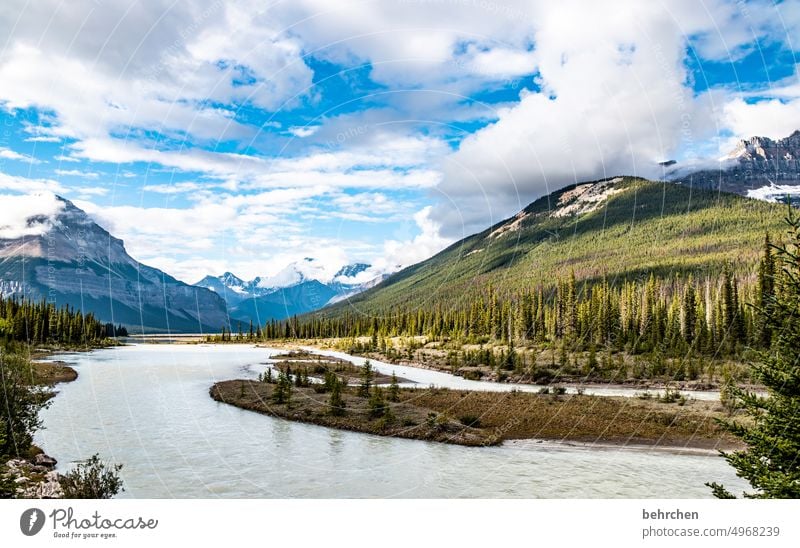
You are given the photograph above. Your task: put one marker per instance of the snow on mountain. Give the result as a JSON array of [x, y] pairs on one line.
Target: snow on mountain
[[758, 167], [49, 248], [299, 287]]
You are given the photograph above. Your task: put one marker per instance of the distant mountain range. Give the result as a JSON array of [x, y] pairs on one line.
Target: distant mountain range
[[758, 167], [298, 288], [68, 259]]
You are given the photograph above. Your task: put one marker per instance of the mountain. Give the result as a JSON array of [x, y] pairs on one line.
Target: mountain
[[299, 287], [758, 167], [622, 228], [68, 259], [283, 303], [351, 270], [228, 286]]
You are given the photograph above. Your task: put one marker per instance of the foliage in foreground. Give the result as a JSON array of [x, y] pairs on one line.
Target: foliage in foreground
[[20, 403], [92, 479], [771, 462]]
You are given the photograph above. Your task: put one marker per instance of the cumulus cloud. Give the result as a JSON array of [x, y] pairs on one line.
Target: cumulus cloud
[[163, 66], [127, 82], [405, 252], [773, 112], [28, 215], [9, 154], [26, 185], [77, 173], [615, 99]]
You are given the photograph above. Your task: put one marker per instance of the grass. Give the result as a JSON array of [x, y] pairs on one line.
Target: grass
[[49, 373], [542, 367], [488, 418]]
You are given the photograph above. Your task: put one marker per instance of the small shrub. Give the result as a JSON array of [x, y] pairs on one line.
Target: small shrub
[[92, 479], [431, 420], [470, 420]]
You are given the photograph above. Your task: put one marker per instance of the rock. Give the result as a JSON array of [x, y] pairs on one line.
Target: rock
[[35, 480], [49, 488], [16, 464], [45, 460]]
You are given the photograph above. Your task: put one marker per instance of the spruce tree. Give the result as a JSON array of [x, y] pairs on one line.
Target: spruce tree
[[336, 402], [770, 462], [394, 389], [367, 374], [765, 292], [377, 403]]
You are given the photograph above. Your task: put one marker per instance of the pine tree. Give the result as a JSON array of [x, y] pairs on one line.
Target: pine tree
[[367, 374], [689, 313], [770, 462], [336, 402], [394, 389], [765, 292], [591, 362], [282, 393], [377, 403]]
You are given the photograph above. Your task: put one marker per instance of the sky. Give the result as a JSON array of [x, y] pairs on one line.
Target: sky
[[241, 136]]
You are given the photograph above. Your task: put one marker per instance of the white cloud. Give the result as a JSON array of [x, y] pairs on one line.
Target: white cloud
[[28, 215], [26, 185], [774, 118], [160, 68], [77, 173], [88, 191], [9, 154], [174, 188], [303, 131], [773, 112], [500, 62], [43, 139], [402, 253], [615, 100]]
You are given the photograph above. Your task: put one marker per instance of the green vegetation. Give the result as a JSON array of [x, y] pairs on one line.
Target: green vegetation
[[660, 277], [92, 479], [770, 462], [336, 402], [43, 323], [644, 228], [301, 366], [24, 386], [488, 418], [367, 375], [20, 403]]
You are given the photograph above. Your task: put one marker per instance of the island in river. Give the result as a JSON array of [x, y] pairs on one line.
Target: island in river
[[474, 418]]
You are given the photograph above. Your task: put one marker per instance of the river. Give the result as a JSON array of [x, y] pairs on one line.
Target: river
[[147, 406]]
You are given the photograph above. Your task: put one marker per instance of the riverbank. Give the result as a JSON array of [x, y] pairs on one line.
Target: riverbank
[[32, 473], [316, 366], [489, 418], [579, 385], [52, 373]]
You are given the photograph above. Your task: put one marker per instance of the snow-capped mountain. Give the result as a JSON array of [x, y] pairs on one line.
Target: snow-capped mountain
[[299, 287], [757, 167], [293, 274], [228, 286], [49, 248], [351, 271]]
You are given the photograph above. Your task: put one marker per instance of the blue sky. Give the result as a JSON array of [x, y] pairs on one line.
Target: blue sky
[[217, 136]]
